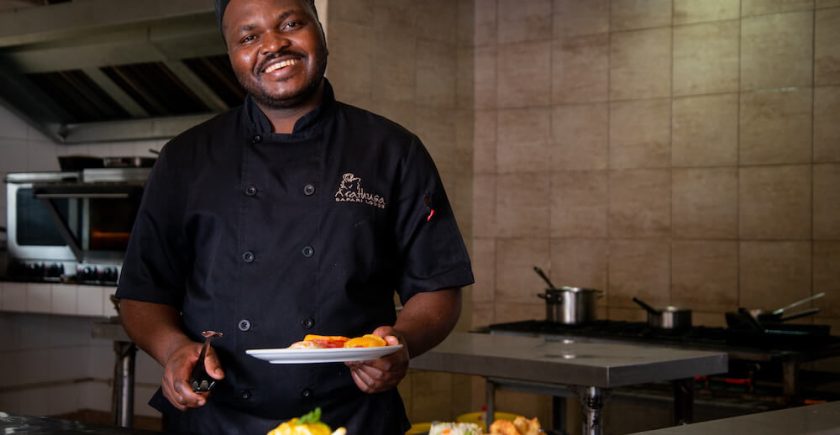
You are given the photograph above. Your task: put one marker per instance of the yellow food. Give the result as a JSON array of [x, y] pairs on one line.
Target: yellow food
[[367, 340], [519, 426], [309, 424]]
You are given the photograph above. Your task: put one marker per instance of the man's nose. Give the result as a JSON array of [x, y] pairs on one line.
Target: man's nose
[[274, 42]]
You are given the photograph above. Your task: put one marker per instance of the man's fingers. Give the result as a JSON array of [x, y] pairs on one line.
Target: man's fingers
[[213, 367]]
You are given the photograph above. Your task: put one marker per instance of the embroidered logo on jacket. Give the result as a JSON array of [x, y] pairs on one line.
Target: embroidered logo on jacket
[[350, 190]]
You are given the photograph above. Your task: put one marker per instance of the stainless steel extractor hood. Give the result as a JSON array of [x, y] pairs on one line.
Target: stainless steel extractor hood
[[108, 70]]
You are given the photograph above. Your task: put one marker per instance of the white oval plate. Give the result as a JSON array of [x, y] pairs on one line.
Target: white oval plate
[[312, 356]]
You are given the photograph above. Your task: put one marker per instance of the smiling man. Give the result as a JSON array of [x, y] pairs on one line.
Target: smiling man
[[293, 214]]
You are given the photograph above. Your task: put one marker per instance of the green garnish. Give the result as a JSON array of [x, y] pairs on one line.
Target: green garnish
[[313, 416]]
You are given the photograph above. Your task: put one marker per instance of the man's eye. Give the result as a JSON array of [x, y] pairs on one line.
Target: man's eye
[[248, 38], [291, 25]]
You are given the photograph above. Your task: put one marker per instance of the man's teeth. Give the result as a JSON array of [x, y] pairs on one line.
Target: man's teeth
[[278, 65]]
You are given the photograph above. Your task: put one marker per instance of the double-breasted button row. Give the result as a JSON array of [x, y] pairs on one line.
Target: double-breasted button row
[[307, 251], [307, 323], [248, 257], [252, 190], [244, 325]]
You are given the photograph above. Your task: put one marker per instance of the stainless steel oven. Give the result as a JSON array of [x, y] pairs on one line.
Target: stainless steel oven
[[71, 225]]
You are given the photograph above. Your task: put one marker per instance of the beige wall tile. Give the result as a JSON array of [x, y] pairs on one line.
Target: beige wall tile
[[580, 263], [640, 268], [484, 205], [705, 203], [636, 314], [524, 140], [827, 3], [712, 320], [827, 277], [432, 24], [395, 59], [774, 274], [485, 22], [579, 137], [465, 78], [640, 134], [521, 206], [431, 395], [524, 21], [705, 275], [696, 11], [398, 15], [639, 14], [351, 56], [761, 7], [436, 73], [352, 11], [775, 202], [827, 202], [580, 69], [777, 50], [466, 23], [482, 314], [524, 74], [640, 203], [515, 277], [484, 146], [517, 311], [575, 17], [483, 258], [705, 131], [776, 127], [827, 47], [826, 125], [579, 204], [706, 58], [485, 78], [640, 64]]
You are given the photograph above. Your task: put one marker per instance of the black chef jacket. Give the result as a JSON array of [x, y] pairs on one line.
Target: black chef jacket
[[267, 237]]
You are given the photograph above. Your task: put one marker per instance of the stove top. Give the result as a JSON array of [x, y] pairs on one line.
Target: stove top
[[781, 337]]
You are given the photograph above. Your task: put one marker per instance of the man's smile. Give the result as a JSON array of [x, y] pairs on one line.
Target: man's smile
[[279, 65]]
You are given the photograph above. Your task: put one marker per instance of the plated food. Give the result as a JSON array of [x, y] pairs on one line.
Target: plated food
[[519, 426], [312, 341], [309, 424], [455, 429]]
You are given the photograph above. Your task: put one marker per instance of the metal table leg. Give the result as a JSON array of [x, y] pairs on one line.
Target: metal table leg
[[123, 394], [683, 401], [490, 399], [592, 399], [558, 413]]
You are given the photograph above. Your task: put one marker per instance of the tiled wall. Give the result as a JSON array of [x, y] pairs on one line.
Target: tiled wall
[[683, 151], [409, 61]]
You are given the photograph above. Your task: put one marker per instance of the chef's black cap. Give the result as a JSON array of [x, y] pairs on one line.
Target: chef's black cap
[[222, 4]]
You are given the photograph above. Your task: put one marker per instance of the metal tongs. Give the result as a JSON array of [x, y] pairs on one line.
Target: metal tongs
[[200, 381]]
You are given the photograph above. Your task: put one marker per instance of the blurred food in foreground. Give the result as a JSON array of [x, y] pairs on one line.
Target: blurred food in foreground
[[309, 424]]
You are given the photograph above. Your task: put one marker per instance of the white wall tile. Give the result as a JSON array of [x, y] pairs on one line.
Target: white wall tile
[[63, 399], [38, 298], [63, 299], [10, 402], [100, 362], [35, 365], [142, 394], [14, 298], [89, 300], [108, 309], [147, 370], [9, 369], [95, 396]]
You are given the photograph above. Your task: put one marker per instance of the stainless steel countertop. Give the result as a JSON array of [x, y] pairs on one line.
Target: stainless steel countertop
[[567, 362], [806, 420]]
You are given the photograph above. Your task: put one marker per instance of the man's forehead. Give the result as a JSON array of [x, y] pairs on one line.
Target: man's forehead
[[221, 7]]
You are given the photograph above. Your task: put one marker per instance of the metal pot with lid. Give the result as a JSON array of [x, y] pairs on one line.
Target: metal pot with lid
[[568, 305]]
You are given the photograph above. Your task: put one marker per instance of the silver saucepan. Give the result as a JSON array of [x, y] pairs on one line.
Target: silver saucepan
[[568, 305], [669, 317]]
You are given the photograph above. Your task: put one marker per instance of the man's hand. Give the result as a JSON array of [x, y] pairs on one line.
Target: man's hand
[[177, 371], [386, 372]]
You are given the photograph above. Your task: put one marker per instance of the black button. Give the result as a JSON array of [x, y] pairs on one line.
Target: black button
[[251, 190], [308, 323], [307, 251], [245, 394], [244, 325], [248, 257], [256, 139], [306, 393], [308, 190]]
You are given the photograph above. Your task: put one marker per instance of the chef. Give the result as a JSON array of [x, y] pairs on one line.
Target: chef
[[293, 214]]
